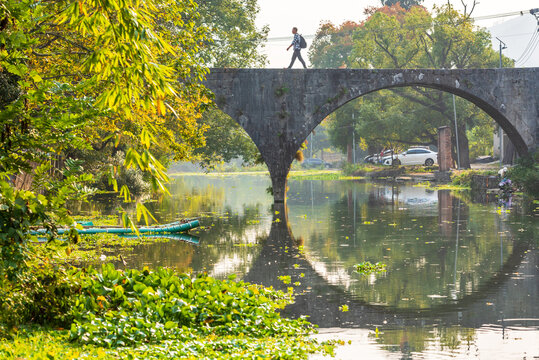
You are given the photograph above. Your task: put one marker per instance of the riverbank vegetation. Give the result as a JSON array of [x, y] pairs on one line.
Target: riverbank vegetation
[[58, 312], [525, 174], [51, 309], [463, 178]]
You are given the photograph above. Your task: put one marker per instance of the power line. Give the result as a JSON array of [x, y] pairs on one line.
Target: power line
[[479, 18], [531, 44], [531, 51], [495, 16]]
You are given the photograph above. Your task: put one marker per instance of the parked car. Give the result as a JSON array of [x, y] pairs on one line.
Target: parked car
[[315, 163], [369, 159], [413, 156], [375, 158]]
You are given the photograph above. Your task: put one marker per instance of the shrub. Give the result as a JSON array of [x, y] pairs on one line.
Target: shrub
[[464, 178], [525, 174], [359, 169], [41, 295], [19, 210]]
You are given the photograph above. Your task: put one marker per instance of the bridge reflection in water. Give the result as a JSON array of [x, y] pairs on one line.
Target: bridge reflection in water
[[501, 296]]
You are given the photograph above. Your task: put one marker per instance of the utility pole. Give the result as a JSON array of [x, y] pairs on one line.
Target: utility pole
[[353, 139], [502, 47], [456, 132], [500, 130]]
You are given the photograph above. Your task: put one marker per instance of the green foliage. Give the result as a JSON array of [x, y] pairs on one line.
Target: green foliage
[[280, 91], [480, 139], [394, 37], [43, 294], [407, 4], [464, 178], [236, 39], [46, 344], [22, 209], [367, 268], [18, 211], [525, 174], [332, 45], [360, 169], [90, 76], [132, 178], [316, 174], [236, 43], [119, 308], [151, 315], [225, 141]]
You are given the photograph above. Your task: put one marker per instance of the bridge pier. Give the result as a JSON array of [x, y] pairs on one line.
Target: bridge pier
[[279, 184]]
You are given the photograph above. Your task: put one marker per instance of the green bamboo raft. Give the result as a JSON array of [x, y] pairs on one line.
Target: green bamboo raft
[[175, 227]]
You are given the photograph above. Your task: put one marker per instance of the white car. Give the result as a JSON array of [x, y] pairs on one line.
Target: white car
[[414, 156]]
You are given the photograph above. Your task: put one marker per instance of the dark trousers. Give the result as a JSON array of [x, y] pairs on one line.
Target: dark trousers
[[297, 54]]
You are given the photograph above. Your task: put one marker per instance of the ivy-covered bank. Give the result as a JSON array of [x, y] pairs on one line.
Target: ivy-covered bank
[[59, 313]]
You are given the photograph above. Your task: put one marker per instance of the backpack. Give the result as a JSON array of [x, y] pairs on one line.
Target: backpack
[[302, 42]]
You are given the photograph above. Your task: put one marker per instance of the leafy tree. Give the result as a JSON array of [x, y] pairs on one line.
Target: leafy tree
[[332, 45], [235, 37], [82, 73], [407, 4], [393, 37], [236, 41], [225, 140]]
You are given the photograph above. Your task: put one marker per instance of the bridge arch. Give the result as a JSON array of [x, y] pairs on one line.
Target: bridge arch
[[280, 108]]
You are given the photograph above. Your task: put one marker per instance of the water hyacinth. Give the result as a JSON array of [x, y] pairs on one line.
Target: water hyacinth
[[124, 308]]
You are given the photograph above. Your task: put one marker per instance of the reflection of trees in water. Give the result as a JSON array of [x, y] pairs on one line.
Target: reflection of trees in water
[[419, 338], [188, 201], [229, 243], [184, 201], [427, 264], [191, 196]]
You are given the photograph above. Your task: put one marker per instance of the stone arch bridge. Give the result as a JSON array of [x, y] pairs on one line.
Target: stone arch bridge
[[280, 108]]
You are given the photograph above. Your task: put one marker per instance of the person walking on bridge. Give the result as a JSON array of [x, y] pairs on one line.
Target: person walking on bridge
[[296, 43]]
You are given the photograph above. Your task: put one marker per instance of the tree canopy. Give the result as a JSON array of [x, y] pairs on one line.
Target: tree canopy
[[236, 43], [85, 73], [407, 4], [394, 37]]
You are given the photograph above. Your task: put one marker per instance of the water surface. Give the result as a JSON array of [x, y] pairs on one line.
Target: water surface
[[462, 277]]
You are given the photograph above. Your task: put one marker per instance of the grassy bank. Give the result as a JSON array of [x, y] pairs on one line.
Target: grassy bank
[[42, 343], [312, 174]]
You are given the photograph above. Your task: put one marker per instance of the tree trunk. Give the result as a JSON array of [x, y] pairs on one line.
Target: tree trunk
[[508, 150], [349, 153], [464, 149], [464, 153]]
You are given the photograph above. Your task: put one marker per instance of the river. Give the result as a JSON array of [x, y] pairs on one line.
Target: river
[[462, 277]]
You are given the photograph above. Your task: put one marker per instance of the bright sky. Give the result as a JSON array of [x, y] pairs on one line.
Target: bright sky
[[282, 15]]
